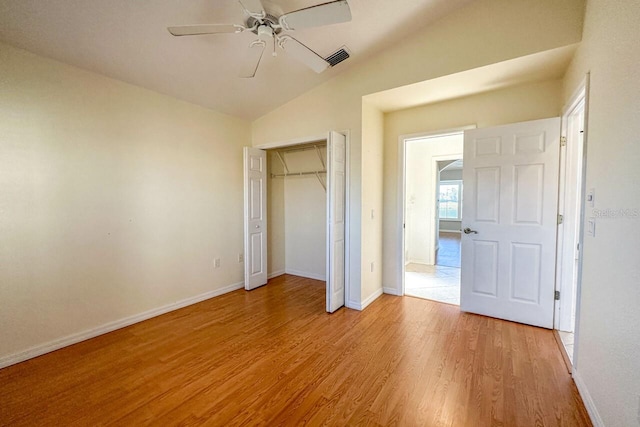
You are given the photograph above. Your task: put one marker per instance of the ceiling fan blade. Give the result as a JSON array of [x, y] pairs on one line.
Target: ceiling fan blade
[[253, 7], [303, 54], [251, 60], [334, 12], [196, 30]]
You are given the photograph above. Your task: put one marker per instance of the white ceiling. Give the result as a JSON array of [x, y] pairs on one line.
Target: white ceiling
[[128, 40]]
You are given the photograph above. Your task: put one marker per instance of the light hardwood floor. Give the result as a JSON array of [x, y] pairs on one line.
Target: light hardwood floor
[[272, 356]]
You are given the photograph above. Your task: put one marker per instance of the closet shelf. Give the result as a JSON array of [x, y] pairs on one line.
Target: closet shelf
[[286, 173]]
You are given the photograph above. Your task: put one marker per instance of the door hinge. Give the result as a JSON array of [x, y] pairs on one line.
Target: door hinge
[[563, 141], [560, 219], [556, 296]]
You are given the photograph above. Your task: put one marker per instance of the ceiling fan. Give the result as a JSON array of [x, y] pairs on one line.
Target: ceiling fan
[[270, 30]]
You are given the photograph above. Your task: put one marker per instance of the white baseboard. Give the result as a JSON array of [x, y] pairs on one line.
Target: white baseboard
[[362, 305], [59, 343], [352, 305], [421, 262], [596, 420], [391, 291], [305, 274], [275, 274]]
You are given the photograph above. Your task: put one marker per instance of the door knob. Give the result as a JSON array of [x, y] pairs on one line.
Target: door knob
[[469, 231]]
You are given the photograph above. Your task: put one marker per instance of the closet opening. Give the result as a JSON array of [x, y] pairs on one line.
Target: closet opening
[[296, 211], [296, 216]]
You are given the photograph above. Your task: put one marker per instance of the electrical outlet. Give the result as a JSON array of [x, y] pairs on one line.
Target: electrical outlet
[[216, 263], [240, 257], [372, 267]]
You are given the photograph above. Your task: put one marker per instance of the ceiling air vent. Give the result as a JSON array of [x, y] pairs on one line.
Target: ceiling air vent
[[337, 57]]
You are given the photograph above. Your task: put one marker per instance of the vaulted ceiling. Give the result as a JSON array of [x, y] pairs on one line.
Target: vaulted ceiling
[[128, 40]]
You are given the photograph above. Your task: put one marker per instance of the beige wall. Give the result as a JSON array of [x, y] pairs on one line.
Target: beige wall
[[511, 105], [372, 211], [420, 182], [482, 33], [297, 212], [114, 200], [305, 202], [608, 346]]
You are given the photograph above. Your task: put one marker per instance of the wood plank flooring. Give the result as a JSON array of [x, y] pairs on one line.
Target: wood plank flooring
[[272, 356]]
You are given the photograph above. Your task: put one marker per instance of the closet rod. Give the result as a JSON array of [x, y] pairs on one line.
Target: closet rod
[[283, 175]]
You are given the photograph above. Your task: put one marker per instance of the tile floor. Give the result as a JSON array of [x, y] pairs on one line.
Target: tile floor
[[434, 282], [449, 250], [439, 282], [567, 340]]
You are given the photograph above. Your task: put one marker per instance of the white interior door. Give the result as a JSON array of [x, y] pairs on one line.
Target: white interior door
[[510, 210], [336, 186], [255, 218]]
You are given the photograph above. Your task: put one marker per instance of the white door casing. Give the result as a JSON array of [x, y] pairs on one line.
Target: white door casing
[[570, 207], [511, 194], [255, 218], [336, 219]]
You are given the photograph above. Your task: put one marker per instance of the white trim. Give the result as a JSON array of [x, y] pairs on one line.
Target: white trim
[[390, 291], [402, 195], [59, 343], [418, 261], [365, 303], [577, 96], [347, 213], [436, 133], [276, 274], [352, 305], [596, 420], [306, 274], [585, 144], [581, 94], [568, 232]]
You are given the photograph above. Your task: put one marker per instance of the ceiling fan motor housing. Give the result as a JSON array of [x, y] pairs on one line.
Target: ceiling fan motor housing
[[269, 21], [265, 32]]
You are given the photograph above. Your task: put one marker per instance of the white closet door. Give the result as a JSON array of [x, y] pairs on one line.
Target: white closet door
[[509, 216], [255, 218], [336, 189]]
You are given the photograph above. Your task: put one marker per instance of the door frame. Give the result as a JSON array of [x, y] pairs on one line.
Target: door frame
[[567, 189], [325, 137], [402, 194], [581, 94]]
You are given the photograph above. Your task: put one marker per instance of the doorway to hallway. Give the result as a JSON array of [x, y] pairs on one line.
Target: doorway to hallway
[[440, 282], [434, 206]]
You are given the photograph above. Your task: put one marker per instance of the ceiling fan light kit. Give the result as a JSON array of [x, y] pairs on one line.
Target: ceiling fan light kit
[[269, 29]]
